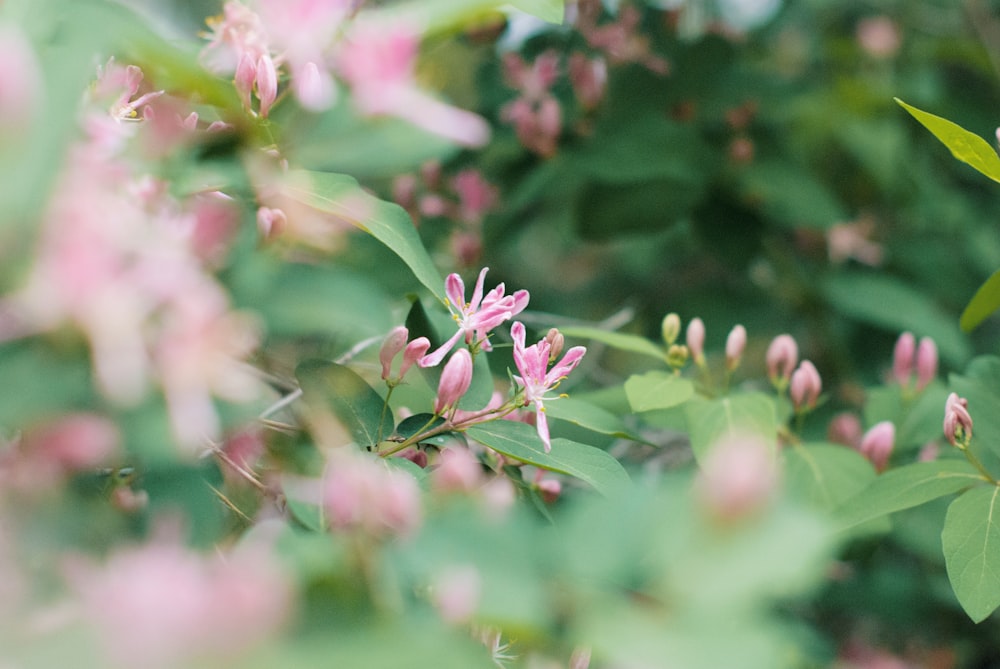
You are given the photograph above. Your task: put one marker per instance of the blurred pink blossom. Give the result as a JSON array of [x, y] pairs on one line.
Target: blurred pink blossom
[[360, 494], [879, 36], [738, 477], [877, 444], [806, 386], [456, 592], [902, 359], [20, 82], [845, 428], [589, 77], [736, 343], [458, 470], [781, 357], [695, 339]]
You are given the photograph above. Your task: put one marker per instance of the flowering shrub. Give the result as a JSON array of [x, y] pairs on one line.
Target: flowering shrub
[[249, 423]]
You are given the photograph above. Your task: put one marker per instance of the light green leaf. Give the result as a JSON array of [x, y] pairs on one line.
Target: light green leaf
[[521, 442], [749, 413], [891, 304], [328, 387], [971, 543], [588, 416], [619, 340], [967, 147], [983, 303], [341, 196], [547, 10], [906, 487], [826, 475], [657, 390]]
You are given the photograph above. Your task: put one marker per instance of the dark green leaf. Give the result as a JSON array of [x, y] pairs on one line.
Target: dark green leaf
[[521, 442], [331, 388], [588, 416], [619, 340], [907, 486], [826, 475], [983, 303], [710, 420], [971, 543]]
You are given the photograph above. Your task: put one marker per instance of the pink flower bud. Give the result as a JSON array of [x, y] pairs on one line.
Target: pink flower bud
[[696, 340], [458, 471], [415, 350], [394, 342], [556, 342], [20, 82], [845, 428], [550, 489], [246, 73], [877, 444], [271, 222], [957, 420], [806, 386], [455, 379], [782, 356], [267, 84], [902, 358], [738, 477], [927, 362], [456, 593], [736, 343]]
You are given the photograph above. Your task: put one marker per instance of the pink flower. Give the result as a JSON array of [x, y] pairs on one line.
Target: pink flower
[[738, 477], [957, 420], [478, 316], [20, 81], [536, 378]]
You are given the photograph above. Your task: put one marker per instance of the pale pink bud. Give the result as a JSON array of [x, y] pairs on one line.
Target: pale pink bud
[[556, 342], [580, 659], [927, 362], [696, 340], [736, 343], [845, 428], [455, 379], [902, 358], [550, 490], [415, 350], [74, 442], [806, 386], [267, 84], [127, 500], [456, 593], [877, 444], [313, 89], [271, 222], [20, 81], [394, 342], [458, 470], [589, 79], [782, 356], [246, 74], [739, 475], [879, 36], [957, 420]]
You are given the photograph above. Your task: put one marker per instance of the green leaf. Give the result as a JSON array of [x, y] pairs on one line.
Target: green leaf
[[309, 515], [657, 390], [547, 10], [826, 475], [521, 442], [328, 387], [906, 487], [619, 340], [791, 195], [891, 304], [967, 147], [710, 420], [588, 416], [971, 543], [983, 303], [342, 197]]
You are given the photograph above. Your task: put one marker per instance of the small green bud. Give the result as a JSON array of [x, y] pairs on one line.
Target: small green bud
[[677, 355], [671, 328]]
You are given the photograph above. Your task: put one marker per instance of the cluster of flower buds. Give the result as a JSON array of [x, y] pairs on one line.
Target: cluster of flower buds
[[908, 355], [536, 114]]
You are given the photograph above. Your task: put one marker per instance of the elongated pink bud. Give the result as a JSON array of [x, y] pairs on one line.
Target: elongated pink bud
[[696, 340], [902, 358], [877, 444], [845, 428], [394, 342], [455, 379], [267, 84], [782, 356], [415, 350], [927, 362], [806, 386], [957, 420], [736, 343]]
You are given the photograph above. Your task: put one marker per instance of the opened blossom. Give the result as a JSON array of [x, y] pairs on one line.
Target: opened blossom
[[477, 317], [535, 376]]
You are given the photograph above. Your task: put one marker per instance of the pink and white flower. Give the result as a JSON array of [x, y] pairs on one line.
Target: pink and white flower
[[536, 378]]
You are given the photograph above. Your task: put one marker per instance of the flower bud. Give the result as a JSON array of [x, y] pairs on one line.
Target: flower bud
[[902, 358], [677, 356], [556, 343], [458, 470], [927, 362], [877, 444], [550, 490], [670, 328], [267, 84], [738, 477], [736, 343], [455, 379], [782, 356], [270, 222], [394, 342], [957, 420], [806, 386], [415, 350], [696, 340], [845, 428]]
